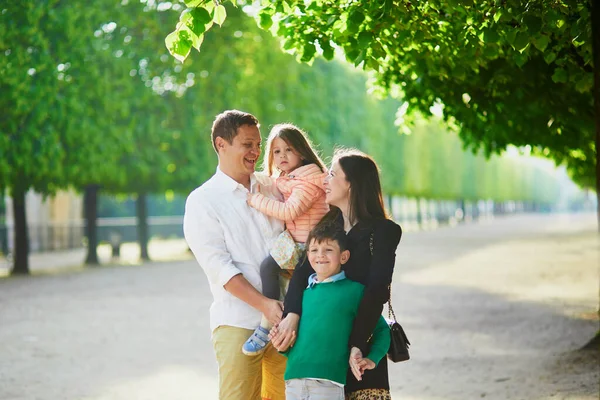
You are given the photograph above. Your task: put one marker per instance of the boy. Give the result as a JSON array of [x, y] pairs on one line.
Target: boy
[[318, 362]]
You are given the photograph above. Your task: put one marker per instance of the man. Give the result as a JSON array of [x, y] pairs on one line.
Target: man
[[230, 240]]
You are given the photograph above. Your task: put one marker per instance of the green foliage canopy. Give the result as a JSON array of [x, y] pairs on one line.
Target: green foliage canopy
[[506, 71]]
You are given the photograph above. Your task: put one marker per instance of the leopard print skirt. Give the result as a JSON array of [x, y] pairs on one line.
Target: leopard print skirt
[[369, 394]]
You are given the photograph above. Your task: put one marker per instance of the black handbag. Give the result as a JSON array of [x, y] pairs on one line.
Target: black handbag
[[399, 342]]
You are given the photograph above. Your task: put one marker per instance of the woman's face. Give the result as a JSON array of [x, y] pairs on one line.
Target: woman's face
[[337, 188]]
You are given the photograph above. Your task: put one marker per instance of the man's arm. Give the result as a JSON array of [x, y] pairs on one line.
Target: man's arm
[[243, 290], [205, 236]]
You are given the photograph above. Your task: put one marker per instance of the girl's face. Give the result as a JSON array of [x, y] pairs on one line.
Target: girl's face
[[337, 188], [285, 157]]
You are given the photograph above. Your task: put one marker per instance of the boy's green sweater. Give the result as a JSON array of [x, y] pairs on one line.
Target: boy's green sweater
[[321, 350]]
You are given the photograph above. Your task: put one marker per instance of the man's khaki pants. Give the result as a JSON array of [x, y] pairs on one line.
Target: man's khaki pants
[[247, 378]]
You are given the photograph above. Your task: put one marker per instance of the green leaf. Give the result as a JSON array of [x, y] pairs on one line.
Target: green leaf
[[308, 53], [549, 57], [327, 49], [357, 17], [360, 58], [585, 83], [491, 36], [560, 75], [521, 59], [364, 39], [201, 15], [289, 44], [185, 16], [314, 6], [497, 16], [197, 41], [354, 20], [372, 63], [511, 36], [491, 51], [220, 15], [197, 24], [352, 54], [521, 41], [179, 44], [265, 21], [541, 42], [192, 3], [533, 23]]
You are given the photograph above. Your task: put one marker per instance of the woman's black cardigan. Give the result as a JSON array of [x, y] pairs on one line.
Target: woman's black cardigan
[[375, 272]]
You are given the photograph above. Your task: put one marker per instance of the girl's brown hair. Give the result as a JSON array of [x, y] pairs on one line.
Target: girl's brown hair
[[297, 139]]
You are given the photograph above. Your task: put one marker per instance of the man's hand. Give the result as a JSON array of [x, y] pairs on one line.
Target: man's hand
[[283, 335], [243, 290], [272, 310]]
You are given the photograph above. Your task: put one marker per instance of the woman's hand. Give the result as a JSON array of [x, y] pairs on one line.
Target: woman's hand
[[283, 335], [355, 357]]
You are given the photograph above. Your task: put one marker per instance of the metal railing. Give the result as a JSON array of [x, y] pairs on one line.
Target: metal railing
[[71, 235]]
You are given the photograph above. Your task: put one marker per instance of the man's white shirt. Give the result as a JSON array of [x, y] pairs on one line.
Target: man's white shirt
[[228, 237]]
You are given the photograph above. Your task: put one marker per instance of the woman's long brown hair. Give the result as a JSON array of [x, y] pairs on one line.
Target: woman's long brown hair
[[362, 173]]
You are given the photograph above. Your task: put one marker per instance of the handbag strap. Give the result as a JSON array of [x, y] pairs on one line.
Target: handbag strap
[[389, 302]]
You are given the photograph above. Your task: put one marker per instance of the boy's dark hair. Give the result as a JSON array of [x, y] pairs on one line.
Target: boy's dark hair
[[227, 123], [331, 231]]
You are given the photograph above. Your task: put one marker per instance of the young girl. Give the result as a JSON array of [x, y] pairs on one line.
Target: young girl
[[299, 174]]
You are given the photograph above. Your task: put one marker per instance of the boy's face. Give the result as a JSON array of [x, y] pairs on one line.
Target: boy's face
[[326, 257]]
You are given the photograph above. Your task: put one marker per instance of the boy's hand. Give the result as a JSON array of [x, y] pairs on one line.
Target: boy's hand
[[358, 364], [283, 335]]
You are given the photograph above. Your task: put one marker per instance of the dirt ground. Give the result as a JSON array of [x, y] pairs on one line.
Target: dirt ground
[[494, 310]]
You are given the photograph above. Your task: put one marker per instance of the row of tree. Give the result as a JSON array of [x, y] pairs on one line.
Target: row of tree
[[91, 100], [507, 72]]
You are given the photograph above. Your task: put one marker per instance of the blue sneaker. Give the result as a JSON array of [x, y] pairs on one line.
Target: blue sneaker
[[257, 342]]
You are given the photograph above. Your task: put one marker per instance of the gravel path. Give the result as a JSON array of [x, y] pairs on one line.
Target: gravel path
[[495, 310]]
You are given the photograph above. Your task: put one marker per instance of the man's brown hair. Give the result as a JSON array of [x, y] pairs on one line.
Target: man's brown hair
[[227, 123]]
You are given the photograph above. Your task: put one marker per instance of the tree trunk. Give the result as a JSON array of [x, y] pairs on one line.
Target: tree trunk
[[596, 57], [595, 17], [90, 204], [389, 205], [142, 220], [419, 213], [463, 208], [21, 248]]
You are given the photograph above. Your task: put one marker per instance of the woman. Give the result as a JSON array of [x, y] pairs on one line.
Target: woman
[[353, 191]]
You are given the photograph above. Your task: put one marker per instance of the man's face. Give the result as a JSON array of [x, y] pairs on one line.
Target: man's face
[[240, 157]]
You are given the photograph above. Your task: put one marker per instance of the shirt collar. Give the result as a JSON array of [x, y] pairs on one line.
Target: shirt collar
[[312, 280], [228, 183]]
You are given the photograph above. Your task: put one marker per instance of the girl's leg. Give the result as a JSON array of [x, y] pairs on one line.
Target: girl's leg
[[269, 275]]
